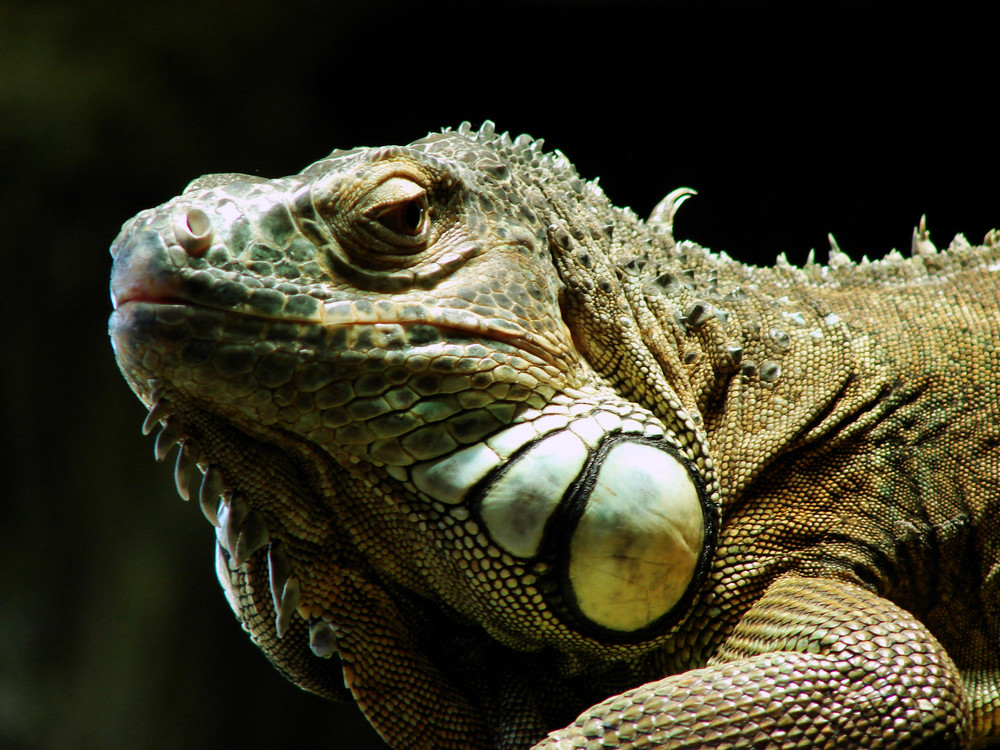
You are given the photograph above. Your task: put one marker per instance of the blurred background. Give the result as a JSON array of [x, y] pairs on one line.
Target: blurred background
[[791, 119]]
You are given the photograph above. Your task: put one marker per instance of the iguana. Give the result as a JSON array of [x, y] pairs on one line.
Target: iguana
[[511, 467]]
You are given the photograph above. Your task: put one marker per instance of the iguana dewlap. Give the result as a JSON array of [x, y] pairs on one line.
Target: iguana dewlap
[[500, 458]]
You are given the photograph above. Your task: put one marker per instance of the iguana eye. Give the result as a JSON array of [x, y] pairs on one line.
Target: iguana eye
[[407, 218], [400, 206]]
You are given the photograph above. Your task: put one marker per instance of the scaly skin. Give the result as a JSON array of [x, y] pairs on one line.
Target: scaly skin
[[485, 453]]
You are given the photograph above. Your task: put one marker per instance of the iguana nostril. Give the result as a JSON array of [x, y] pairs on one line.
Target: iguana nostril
[[193, 230]]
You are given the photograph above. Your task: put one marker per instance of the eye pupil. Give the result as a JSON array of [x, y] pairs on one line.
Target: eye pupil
[[413, 216]]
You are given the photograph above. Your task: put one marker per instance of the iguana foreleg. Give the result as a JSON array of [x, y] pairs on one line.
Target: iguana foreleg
[[814, 663]]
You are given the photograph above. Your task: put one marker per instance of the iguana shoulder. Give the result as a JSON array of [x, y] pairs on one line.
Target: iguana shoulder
[[500, 457]]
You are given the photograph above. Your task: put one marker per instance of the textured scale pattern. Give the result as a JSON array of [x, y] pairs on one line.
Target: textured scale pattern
[[510, 467]]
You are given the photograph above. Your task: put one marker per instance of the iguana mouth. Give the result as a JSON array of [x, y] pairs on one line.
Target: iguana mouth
[[444, 321], [144, 274]]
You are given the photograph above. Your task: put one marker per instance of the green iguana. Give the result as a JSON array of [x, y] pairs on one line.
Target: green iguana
[[497, 459]]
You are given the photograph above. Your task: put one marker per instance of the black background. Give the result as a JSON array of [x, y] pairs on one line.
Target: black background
[[791, 119]]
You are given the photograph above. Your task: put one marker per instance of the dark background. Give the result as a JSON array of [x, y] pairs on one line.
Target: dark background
[[791, 119]]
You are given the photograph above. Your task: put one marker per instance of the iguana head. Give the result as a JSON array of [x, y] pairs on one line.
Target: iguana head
[[372, 363]]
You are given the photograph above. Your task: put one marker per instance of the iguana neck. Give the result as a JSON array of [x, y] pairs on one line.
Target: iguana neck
[[741, 357]]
